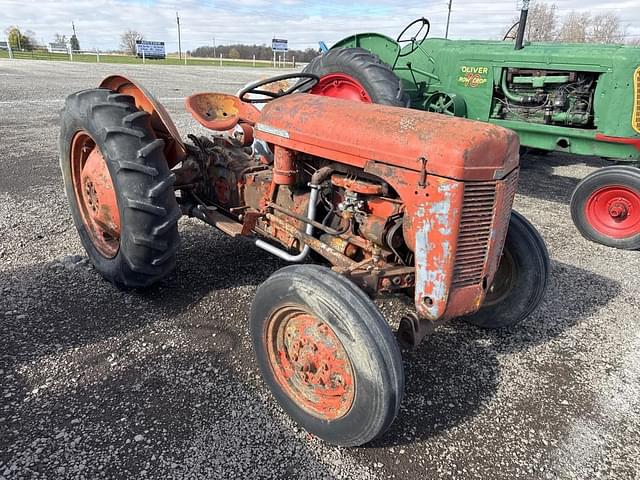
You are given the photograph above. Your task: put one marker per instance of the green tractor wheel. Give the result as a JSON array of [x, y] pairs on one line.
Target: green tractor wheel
[[447, 104]]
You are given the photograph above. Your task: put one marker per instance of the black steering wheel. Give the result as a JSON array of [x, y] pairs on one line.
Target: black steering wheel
[[511, 34], [413, 40], [307, 81]]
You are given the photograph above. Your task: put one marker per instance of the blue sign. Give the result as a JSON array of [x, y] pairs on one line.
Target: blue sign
[[150, 49], [279, 45]]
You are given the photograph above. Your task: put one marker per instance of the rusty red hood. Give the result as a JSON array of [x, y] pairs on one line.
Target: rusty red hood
[[356, 132]]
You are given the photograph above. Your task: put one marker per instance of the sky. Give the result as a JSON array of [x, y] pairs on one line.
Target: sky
[[99, 23]]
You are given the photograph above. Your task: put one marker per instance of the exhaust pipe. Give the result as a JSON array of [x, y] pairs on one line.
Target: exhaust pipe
[[522, 24]]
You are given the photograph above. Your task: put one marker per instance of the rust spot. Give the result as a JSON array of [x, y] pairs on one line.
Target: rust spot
[[310, 363]]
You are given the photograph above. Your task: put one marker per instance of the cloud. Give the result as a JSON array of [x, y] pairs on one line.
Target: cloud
[[99, 23]]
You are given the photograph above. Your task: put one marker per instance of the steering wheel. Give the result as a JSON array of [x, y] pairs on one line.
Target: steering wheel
[[511, 34], [307, 81], [412, 40]]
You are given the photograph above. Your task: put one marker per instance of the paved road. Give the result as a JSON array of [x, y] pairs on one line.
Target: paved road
[[98, 383]]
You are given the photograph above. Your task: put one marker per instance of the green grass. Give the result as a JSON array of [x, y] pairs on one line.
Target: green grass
[[91, 58]]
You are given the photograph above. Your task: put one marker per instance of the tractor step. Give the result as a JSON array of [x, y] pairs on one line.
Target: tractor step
[[225, 224], [214, 218]]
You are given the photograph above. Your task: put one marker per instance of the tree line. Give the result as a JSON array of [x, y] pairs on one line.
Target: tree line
[[545, 25], [262, 52], [26, 40]]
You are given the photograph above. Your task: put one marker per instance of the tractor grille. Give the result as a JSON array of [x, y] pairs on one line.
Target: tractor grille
[[478, 212], [635, 121]]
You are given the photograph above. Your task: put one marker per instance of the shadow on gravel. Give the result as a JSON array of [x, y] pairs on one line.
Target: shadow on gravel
[[573, 296], [52, 308], [455, 371], [538, 180], [207, 261]]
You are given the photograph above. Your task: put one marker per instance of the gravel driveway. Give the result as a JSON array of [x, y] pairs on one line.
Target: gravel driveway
[[98, 383]]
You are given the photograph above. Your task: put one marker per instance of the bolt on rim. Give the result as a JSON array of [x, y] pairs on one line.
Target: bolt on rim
[[614, 211], [310, 363]]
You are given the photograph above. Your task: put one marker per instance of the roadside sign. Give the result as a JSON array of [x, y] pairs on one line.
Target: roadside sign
[[279, 45], [58, 47], [150, 49]]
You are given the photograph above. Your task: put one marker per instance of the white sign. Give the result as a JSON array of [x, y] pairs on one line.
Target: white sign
[[58, 47], [279, 45], [150, 49]]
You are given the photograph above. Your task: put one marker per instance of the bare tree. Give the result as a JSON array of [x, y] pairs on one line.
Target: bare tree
[[128, 41], [606, 28], [57, 38], [575, 28], [542, 23]]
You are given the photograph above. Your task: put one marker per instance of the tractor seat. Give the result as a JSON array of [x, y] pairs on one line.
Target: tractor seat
[[220, 111]]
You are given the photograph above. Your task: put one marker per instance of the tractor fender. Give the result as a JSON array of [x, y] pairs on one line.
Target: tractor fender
[[161, 122], [385, 47]]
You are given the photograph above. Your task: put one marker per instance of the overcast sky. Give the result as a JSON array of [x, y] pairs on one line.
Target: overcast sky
[[99, 23]]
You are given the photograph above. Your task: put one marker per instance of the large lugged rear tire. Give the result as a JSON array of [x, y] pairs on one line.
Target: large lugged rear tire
[[357, 74], [327, 354], [605, 207], [521, 279], [119, 187]]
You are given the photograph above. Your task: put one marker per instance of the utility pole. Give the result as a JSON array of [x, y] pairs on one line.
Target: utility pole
[[179, 41], [446, 33], [214, 47], [73, 25]]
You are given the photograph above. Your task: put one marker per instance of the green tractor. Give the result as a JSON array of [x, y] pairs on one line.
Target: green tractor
[[581, 99]]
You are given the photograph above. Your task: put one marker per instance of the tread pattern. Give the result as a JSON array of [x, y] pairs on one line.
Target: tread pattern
[[384, 86], [142, 179]]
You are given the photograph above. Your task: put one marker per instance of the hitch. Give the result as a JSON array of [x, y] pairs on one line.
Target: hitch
[[413, 329]]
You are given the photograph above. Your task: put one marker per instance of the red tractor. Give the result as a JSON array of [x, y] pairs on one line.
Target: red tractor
[[390, 201]]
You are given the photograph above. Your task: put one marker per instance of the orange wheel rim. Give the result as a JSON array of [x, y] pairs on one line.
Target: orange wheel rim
[[95, 195], [310, 363]]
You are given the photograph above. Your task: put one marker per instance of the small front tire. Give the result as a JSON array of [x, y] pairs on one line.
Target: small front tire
[[327, 354], [521, 280], [605, 207]]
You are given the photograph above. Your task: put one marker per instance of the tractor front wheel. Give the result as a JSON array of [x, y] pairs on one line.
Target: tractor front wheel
[[605, 207], [119, 187], [356, 74], [327, 354], [520, 282]]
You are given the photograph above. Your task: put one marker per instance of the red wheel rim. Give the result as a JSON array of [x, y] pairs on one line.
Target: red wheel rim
[[614, 211], [95, 195], [341, 85], [310, 363]]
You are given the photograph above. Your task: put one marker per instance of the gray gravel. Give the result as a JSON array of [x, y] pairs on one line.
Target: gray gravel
[[98, 383]]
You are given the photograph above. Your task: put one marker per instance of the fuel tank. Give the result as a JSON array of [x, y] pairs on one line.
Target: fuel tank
[[355, 133]]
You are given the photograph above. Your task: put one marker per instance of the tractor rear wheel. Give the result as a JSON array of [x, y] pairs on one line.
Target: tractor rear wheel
[[605, 207], [119, 187], [356, 74], [521, 280], [327, 354]]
